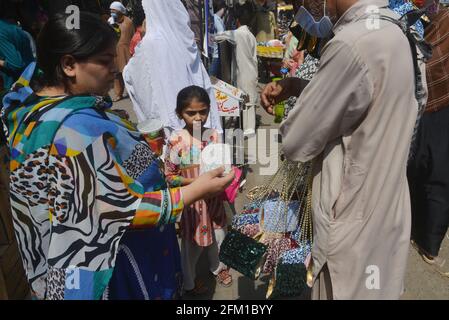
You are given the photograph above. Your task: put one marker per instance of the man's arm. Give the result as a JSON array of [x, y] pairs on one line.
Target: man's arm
[[332, 105], [275, 92]]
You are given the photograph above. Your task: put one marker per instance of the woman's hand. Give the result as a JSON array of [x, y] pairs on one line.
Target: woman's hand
[[207, 186], [276, 92]]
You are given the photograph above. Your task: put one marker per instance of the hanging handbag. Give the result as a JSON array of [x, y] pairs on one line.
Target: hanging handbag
[[250, 230], [280, 217], [289, 280], [244, 254], [291, 276], [276, 247], [277, 242], [242, 220]]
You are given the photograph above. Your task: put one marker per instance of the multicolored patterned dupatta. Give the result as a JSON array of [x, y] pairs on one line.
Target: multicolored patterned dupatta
[[79, 178]]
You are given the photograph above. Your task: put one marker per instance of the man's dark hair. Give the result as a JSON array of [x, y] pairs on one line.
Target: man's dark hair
[[245, 14], [219, 4]]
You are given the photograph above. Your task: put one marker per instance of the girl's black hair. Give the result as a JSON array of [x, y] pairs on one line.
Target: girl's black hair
[[56, 40], [187, 95]]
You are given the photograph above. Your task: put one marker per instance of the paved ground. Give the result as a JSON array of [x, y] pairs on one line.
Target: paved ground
[[421, 281]]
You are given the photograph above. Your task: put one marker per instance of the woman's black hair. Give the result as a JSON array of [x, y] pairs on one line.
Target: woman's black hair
[[8, 10], [187, 95], [58, 39]]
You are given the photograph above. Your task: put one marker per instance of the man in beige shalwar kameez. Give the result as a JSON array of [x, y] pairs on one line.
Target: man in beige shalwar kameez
[[356, 118]]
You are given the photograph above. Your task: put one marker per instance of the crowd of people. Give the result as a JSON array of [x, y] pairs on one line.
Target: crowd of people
[[92, 193]]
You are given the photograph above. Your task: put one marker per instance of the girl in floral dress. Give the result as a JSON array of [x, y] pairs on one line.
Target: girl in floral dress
[[203, 224]]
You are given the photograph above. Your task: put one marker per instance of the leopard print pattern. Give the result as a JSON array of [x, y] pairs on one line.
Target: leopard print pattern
[[139, 161], [20, 180], [37, 165], [55, 284]]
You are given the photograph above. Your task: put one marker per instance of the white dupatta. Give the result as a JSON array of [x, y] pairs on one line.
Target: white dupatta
[[166, 61]]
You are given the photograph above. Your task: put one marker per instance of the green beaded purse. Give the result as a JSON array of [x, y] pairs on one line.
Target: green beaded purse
[[244, 254], [289, 280]]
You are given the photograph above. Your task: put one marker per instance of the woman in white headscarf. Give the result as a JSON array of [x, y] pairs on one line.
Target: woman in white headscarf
[[165, 62]]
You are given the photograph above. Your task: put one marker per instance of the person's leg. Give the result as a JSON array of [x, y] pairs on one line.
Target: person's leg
[[429, 186], [215, 68], [322, 288], [119, 87], [218, 269], [213, 252], [417, 174], [190, 253], [122, 85], [436, 187]]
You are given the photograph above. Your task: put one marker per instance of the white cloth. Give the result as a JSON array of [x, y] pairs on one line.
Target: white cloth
[[245, 59], [245, 69], [219, 28], [166, 61], [116, 5]]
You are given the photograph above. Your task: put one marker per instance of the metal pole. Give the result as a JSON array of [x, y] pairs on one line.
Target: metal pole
[[200, 7]]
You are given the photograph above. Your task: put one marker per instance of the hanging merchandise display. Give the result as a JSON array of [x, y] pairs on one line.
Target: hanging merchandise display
[[242, 253], [291, 275], [276, 227]]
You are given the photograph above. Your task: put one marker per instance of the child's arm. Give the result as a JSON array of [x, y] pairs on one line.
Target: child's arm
[[172, 170], [173, 176]]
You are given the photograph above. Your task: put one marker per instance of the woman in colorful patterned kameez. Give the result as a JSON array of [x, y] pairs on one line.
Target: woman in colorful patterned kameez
[[76, 183]]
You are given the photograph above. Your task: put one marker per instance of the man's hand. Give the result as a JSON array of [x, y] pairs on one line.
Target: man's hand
[[2, 63], [276, 92], [207, 186], [270, 96]]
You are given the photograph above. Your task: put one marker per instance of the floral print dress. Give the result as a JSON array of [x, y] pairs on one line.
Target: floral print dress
[[183, 160]]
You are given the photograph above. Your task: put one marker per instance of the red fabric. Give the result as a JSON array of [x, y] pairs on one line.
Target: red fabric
[[231, 192], [135, 40]]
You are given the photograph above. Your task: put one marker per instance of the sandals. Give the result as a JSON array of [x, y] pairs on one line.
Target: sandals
[[440, 265], [224, 279]]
